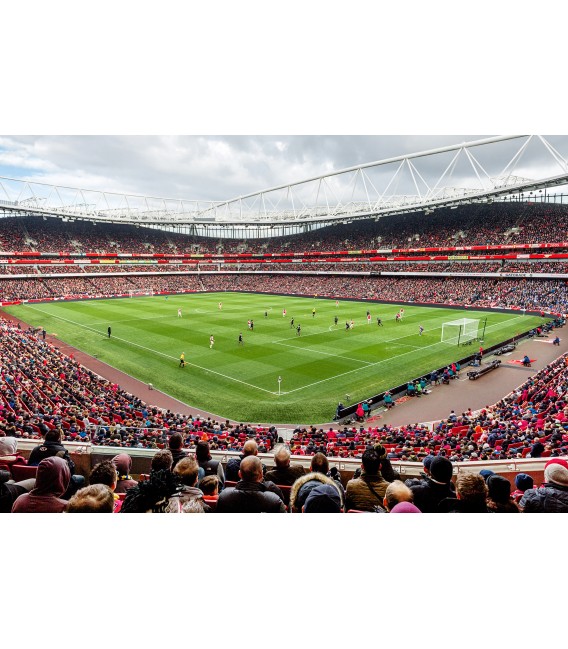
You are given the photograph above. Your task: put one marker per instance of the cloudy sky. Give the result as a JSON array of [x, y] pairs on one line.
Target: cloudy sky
[[218, 167]]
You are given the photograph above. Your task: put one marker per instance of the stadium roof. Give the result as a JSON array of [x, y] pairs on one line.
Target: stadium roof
[[423, 181]]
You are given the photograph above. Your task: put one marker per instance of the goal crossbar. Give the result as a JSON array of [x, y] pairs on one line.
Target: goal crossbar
[[456, 332]]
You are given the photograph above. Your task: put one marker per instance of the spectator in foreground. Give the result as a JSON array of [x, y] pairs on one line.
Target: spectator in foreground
[[175, 444], [405, 508], [208, 464], [301, 488], [9, 448], [553, 495], [250, 495], [50, 447], [367, 492], [94, 499], [523, 482], [470, 498], [250, 447], [10, 490], [209, 485], [187, 471], [52, 480], [323, 499], [152, 495], [499, 499], [437, 486], [284, 473], [123, 463], [397, 492], [105, 473]]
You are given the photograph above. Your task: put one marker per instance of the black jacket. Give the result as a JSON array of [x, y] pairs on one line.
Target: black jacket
[[214, 467], [249, 498], [286, 476], [455, 506], [49, 449], [551, 497], [178, 454], [428, 494]]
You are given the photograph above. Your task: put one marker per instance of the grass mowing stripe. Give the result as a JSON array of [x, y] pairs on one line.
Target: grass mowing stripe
[[385, 360], [257, 364], [155, 351], [317, 351]]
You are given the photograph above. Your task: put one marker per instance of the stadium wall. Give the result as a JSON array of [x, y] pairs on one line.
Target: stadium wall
[[86, 456]]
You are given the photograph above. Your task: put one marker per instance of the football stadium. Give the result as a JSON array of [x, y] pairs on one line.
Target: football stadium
[[383, 338]]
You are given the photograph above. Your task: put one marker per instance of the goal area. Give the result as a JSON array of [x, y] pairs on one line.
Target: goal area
[[140, 292], [458, 332]]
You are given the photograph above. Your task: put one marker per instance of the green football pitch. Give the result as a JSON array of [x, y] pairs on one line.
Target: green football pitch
[[322, 366]]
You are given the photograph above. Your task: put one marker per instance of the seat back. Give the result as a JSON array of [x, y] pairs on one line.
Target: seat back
[[285, 489], [23, 472]]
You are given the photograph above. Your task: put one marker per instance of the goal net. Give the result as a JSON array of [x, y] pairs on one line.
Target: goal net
[[140, 292], [461, 331]]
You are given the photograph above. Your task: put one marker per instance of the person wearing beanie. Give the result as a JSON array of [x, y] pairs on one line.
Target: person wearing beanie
[[523, 481], [428, 493], [557, 460], [499, 499], [323, 499], [486, 474], [552, 497]]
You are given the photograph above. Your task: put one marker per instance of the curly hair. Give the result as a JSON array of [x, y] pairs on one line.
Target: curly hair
[[104, 473], [94, 499]]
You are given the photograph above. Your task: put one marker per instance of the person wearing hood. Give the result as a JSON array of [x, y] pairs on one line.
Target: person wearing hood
[[9, 450], [52, 480], [306, 483], [123, 464]]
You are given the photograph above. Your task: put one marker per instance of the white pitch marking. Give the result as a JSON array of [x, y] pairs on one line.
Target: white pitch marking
[[155, 351]]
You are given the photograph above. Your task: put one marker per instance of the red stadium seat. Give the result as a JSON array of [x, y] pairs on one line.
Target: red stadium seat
[[23, 472]]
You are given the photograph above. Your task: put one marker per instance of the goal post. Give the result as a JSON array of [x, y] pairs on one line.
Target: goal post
[[140, 292], [458, 332]]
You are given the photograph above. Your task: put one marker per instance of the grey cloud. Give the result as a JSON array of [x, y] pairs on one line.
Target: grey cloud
[[219, 167]]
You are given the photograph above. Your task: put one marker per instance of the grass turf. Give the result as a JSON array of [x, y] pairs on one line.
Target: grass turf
[[319, 368]]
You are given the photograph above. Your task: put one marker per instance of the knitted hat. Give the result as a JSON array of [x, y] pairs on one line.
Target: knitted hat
[[557, 460], [323, 499], [499, 488], [405, 508], [557, 474], [486, 474], [441, 469], [523, 481], [427, 461]]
